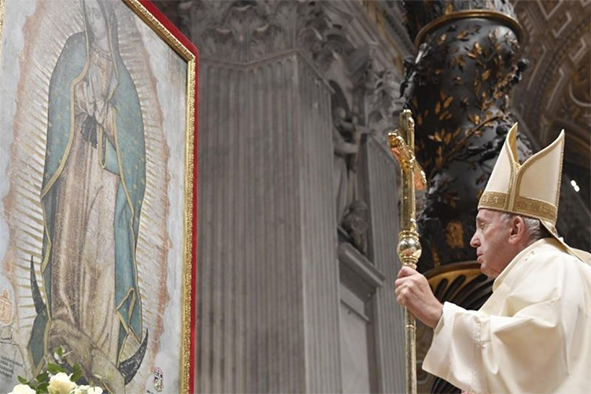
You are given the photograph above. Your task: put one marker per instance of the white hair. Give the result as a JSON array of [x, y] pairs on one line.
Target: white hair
[[534, 230]]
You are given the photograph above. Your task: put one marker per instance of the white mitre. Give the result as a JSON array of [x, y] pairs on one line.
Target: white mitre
[[530, 189]]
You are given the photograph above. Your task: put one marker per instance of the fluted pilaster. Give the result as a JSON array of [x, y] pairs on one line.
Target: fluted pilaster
[[268, 281], [382, 193]]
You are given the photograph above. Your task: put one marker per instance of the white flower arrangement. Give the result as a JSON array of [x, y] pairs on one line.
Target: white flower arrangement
[[56, 380], [22, 389]]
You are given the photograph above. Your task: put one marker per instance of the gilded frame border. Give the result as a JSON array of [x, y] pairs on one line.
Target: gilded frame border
[[150, 14], [187, 50]]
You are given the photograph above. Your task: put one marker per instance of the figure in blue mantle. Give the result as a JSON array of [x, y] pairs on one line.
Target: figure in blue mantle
[[93, 187]]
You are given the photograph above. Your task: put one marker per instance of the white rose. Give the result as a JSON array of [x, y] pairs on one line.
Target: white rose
[[87, 390], [80, 390], [22, 389], [61, 384]]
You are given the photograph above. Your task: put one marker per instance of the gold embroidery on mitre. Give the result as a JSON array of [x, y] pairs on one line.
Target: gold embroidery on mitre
[[535, 208], [514, 165], [523, 205], [560, 172], [493, 200]]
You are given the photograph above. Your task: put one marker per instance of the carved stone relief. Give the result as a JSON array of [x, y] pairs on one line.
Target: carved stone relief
[[245, 31], [365, 88], [365, 102]]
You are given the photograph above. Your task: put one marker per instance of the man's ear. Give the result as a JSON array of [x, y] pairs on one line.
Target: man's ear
[[518, 231]]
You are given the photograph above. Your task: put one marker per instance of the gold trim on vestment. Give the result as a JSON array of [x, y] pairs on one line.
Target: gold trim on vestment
[[493, 200], [536, 208], [514, 168], [560, 172]]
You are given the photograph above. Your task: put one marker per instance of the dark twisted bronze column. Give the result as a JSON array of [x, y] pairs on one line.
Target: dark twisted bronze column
[[458, 86], [458, 90]]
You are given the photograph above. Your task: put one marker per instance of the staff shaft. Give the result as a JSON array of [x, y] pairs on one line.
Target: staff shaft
[[409, 247]]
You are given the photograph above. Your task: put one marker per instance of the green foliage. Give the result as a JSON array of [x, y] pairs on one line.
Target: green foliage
[[76, 373], [41, 382], [54, 369]]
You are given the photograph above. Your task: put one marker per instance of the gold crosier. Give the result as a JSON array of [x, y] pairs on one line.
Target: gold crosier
[[402, 143]]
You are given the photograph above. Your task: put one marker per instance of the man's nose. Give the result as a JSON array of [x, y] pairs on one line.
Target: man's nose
[[474, 242]]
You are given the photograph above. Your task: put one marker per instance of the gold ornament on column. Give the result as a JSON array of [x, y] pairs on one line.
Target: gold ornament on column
[[402, 143]]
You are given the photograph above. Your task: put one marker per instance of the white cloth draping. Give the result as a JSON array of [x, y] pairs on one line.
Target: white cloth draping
[[533, 335]]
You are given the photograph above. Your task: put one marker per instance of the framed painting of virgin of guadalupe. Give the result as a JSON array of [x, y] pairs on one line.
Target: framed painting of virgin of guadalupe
[[97, 177]]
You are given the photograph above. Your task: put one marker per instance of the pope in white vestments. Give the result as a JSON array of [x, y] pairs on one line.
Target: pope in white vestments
[[533, 335]]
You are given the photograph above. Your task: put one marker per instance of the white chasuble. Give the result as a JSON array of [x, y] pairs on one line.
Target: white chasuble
[[533, 335]]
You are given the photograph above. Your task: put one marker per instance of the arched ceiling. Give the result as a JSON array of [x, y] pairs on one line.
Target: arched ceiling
[[555, 91]]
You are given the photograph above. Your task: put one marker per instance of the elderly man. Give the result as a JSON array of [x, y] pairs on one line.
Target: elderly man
[[533, 335]]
